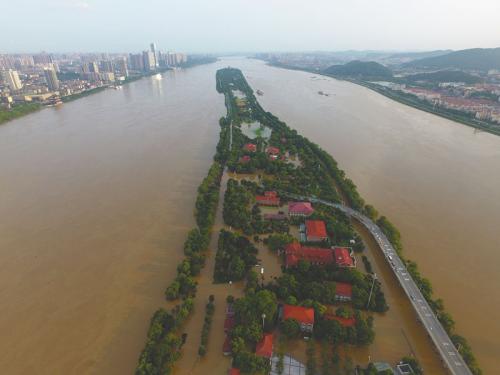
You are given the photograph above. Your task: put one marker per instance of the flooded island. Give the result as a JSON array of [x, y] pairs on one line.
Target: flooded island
[[288, 270]]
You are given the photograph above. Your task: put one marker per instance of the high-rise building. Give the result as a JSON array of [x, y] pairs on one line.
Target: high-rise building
[[93, 67], [121, 66], [51, 78], [106, 66], [149, 61], [155, 54], [136, 62], [12, 79]]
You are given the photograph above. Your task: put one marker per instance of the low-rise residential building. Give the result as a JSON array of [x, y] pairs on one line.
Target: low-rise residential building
[[316, 231], [344, 257], [295, 252], [343, 292], [300, 209], [303, 315], [270, 198], [250, 147]]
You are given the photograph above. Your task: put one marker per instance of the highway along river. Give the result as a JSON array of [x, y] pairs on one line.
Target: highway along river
[[96, 198]]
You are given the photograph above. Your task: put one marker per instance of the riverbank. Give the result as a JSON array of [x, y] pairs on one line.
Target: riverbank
[[408, 100], [18, 111], [21, 110]]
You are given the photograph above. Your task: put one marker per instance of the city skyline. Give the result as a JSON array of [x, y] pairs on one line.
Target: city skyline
[[249, 26]]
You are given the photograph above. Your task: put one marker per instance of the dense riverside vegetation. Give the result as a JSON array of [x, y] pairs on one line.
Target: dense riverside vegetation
[[198, 238], [334, 186], [163, 344], [18, 111], [207, 323]]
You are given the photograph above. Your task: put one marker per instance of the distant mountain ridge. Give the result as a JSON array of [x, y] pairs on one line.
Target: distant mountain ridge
[[367, 70], [482, 59], [444, 76]]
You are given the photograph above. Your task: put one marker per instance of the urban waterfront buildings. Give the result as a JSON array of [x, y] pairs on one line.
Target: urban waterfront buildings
[[45, 77], [12, 80]]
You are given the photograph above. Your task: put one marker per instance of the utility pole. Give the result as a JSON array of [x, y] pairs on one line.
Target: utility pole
[[371, 290]]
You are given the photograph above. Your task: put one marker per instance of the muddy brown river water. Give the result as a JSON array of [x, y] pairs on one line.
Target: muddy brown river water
[[96, 198]]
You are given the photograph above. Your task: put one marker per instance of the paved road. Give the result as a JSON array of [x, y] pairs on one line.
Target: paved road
[[449, 354]]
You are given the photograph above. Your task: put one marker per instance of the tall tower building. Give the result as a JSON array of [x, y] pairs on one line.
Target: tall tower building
[[51, 78], [149, 61], [155, 54], [12, 79]]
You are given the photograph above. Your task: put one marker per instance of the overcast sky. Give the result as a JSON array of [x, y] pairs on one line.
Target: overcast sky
[[247, 25]]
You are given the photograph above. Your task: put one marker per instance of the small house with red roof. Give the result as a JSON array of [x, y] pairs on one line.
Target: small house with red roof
[[233, 371], [343, 292], [294, 252], [250, 147], [316, 231], [344, 257], [264, 348], [273, 152], [270, 198], [303, 315], [245, 159], [301, 209]]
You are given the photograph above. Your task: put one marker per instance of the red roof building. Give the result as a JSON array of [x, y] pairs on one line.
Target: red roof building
[[300, 209], [343, 257], [270, 198], [273, 150], [250, 147], [303, 315], [294, 253], [316, 231], [233, 371], [343, 292], [265, 346]]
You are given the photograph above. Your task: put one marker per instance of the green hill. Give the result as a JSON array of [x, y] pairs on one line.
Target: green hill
[[482, 59], [365, 70], [444, 76]]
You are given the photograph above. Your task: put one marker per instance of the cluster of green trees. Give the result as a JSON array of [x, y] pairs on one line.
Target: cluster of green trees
[[163, 343], [334, 332], [235, 256], [207, 323], [316, 284], [18, 111], [184, 284], [437, 305], [254, 313], [236, 211]]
